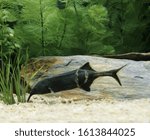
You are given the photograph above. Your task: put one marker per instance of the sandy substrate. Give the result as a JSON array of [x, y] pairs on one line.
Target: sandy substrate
[[58, 109]]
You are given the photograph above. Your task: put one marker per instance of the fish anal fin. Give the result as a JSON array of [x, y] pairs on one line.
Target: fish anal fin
[[87, 66], [87, 85], [86, 88]]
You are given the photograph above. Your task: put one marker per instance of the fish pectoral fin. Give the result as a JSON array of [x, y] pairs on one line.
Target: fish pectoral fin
[[50, 89], [86, 88]]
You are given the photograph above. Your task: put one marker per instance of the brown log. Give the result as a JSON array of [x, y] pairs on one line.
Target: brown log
[[131, 56]]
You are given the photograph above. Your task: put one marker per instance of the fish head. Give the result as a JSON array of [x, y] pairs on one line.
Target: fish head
[[40, 88]]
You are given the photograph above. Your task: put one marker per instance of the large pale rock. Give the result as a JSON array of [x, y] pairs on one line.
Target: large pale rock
[[135, 77]]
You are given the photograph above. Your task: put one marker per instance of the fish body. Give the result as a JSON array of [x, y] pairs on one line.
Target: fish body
[[79, 78]]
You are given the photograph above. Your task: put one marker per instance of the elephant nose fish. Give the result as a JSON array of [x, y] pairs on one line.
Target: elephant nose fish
[[80, 78]]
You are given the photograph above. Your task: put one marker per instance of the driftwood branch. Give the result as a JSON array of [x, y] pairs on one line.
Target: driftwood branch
[[132, 56]]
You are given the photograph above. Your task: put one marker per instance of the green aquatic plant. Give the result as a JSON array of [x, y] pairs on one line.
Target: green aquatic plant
[[6, 89], [13, 87], [11, 59]]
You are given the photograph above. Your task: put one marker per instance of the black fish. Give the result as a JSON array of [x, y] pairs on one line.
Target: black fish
[[81, 78]]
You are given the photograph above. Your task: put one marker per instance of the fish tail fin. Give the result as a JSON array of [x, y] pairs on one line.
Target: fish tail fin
[[115, 76]]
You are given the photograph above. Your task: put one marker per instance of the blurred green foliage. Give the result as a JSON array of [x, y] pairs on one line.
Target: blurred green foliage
[[129, 20], [70, 27]]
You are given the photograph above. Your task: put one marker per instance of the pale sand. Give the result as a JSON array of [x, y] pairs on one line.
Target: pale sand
[[57, 109]]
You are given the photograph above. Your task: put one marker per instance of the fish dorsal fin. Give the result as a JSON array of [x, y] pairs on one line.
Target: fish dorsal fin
[[87, 66]]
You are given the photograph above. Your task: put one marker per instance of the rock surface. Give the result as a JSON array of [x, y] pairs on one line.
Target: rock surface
[[135, 77], [107, 101]]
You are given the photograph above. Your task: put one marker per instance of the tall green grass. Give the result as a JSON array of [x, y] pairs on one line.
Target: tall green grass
[[13, 87]]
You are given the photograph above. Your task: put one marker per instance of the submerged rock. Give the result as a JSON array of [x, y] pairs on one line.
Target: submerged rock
[[135, 77]]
